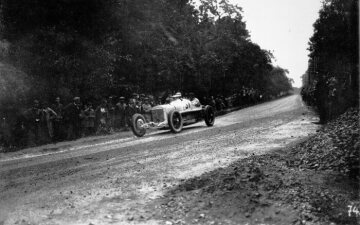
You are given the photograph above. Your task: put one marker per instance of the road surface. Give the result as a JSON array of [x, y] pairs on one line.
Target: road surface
[[112, 180]]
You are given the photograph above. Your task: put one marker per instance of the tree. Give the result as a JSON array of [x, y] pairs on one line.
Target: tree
[[334, 57], [67, 46]]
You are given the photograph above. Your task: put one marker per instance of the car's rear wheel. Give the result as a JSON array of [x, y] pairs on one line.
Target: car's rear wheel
[[136, 125], [175, 121], [209, 114]]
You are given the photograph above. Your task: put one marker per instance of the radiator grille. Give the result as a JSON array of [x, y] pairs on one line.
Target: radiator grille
[[157, 115]]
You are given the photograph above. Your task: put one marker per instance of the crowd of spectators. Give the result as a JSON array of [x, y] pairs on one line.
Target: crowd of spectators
[[45, 122]]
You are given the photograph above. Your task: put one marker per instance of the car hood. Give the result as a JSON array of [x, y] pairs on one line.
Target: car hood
[[167, 107]]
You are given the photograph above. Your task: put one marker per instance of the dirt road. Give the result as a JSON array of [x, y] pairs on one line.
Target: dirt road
[[110, 181]]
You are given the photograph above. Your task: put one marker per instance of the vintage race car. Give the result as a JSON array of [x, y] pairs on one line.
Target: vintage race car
[[173, 116]]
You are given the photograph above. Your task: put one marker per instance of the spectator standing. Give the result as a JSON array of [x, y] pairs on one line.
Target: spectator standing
[[151, 100], [138, 106], [32, 117], [88, 121], [58, 122], [102, 117], [120, 113], [5, 134], [141, 98], [146, 109], [46, 123], [19, 130], [205, 100], [135, 97], [212, 102], [130, 111], [224, 101], [219, 104], [111, 120], [92, 117], [72, 114]]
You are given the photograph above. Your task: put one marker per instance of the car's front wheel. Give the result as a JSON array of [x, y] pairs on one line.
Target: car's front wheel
[[175, 121], [209, 114], [136, 125]]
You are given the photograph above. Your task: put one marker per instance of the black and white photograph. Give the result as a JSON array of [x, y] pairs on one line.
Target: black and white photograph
[[177, 112]]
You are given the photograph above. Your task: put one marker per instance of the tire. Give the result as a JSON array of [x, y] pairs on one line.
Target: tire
[[136, 122], [209, 116], [175, 121]]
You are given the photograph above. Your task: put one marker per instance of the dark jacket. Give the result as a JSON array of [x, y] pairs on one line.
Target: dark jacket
[[72, 113]]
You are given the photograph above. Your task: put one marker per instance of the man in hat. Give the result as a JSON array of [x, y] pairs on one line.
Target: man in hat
[[146, 109], [130, 111], [142, 96], [175, 98], [135, 96], [72, 115], [111, 108], [58, 107], [102, 117], [33, 116], [120, 113], [89, 117]]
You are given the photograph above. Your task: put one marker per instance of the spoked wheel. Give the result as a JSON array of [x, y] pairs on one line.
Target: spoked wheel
[[175, 121], [209, 114], [138, 121]]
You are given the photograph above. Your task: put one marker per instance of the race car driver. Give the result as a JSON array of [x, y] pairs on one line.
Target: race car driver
[[175, 97]]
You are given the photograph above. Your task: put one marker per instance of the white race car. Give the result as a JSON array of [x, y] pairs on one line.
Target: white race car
[[173, 116]]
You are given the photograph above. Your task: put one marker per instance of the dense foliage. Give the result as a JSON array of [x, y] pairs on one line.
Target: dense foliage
[[331, 83], [95, 48]]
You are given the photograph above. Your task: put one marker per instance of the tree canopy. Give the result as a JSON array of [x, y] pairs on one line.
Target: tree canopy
[[96, 48]]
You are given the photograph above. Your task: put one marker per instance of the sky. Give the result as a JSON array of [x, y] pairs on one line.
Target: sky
[[283, 27]]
